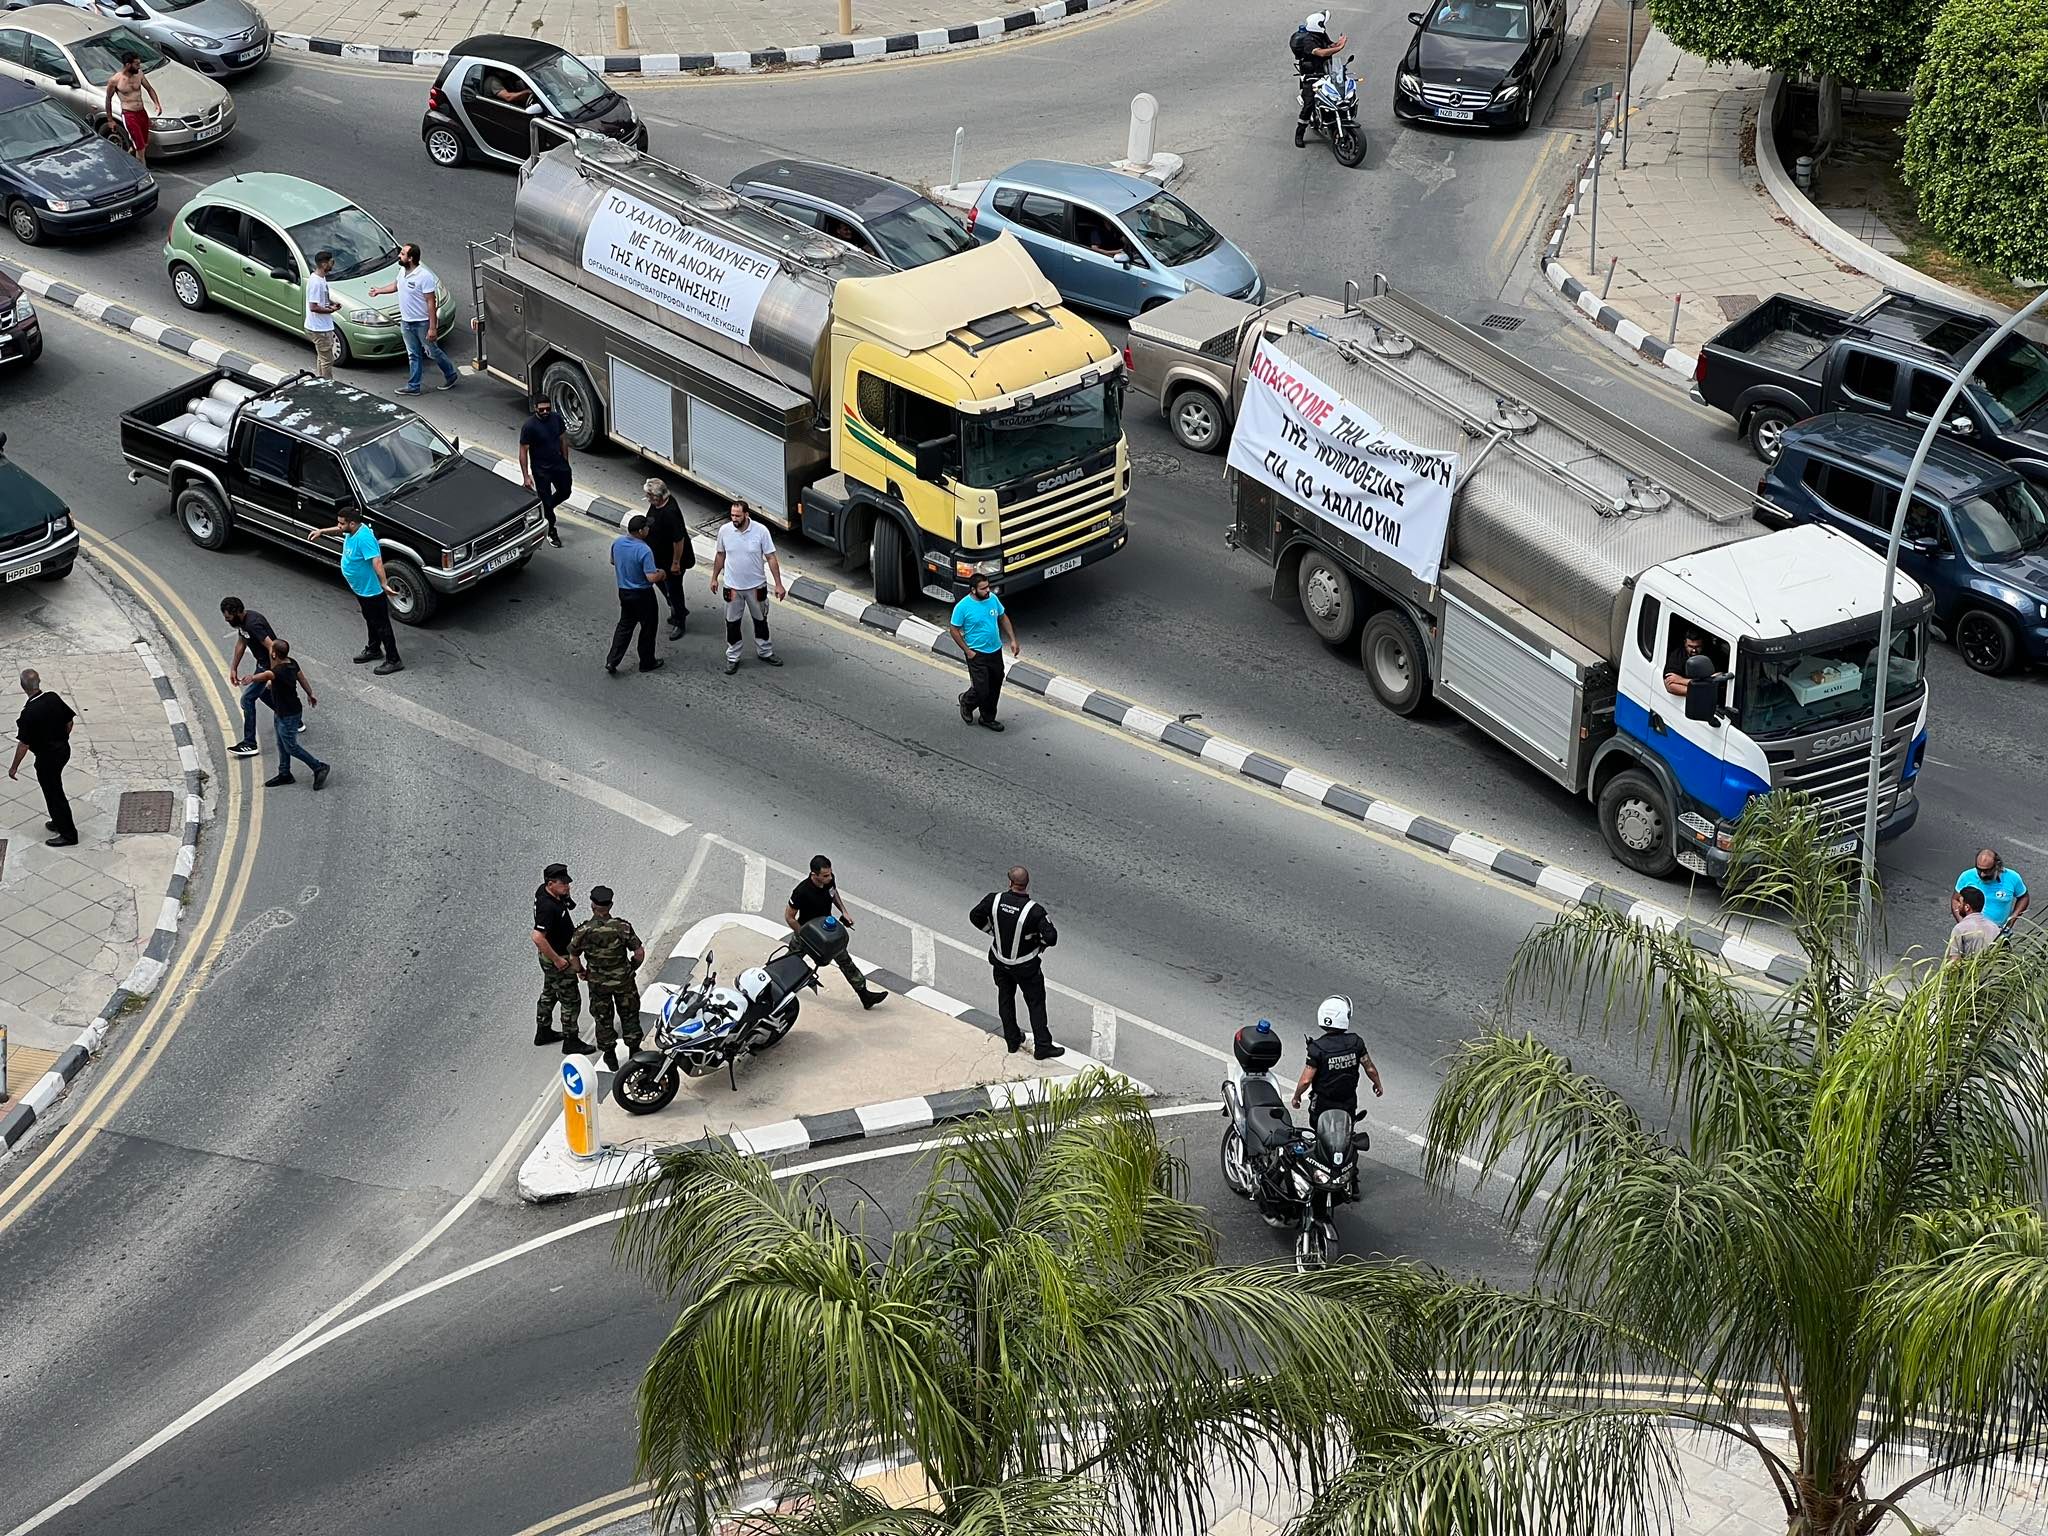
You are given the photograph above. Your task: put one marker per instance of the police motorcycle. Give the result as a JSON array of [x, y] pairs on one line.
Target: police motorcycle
[[1296, 1175], [1333, 113], [706, 1026]]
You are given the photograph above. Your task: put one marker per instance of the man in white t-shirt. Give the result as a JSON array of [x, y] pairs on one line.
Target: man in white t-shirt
[[320, 312], [419, 318], [739, 575]]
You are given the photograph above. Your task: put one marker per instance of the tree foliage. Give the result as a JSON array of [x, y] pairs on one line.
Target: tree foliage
[[1977, 138], [1873, 44]]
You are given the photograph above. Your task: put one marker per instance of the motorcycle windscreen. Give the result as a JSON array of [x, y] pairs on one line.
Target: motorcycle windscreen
[[1334, 1134]]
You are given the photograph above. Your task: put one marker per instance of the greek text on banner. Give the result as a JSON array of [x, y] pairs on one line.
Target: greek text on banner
[[694, 272], [1322, 452]]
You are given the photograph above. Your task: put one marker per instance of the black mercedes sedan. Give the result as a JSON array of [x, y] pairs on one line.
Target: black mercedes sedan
[[1478, 63]]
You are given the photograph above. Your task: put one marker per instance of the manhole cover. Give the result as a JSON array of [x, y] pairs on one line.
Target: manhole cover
[[1502, 322], [144, 810], [1735, 305], [1156, 464]]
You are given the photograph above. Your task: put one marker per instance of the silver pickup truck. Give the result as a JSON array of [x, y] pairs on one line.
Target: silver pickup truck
[[1186, 355]]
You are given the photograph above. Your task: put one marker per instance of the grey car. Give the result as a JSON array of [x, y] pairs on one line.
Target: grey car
[[215, 37], [871, 213]]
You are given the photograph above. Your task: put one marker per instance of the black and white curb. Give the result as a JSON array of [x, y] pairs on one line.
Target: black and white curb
[[1589, 303], [142, 979], [857, 50]]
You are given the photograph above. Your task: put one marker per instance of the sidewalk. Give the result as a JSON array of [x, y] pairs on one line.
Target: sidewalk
[[89, 927]]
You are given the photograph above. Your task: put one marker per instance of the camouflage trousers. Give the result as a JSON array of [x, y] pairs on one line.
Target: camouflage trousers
[[625, 1002], [557, 987]]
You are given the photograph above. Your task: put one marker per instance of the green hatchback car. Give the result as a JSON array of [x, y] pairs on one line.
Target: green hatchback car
[[247, 243]]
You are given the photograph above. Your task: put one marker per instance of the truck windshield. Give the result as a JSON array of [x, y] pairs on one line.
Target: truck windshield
[[1044, 434], [1787, 695], [2003, 523], [2013, 385], [397, 460]]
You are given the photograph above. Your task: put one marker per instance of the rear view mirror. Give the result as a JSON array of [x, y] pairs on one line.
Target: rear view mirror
[[1122, 259], [281, 275], [68, 80], [1415, 18], [1702, 690], [934, 457], [1962, 426]]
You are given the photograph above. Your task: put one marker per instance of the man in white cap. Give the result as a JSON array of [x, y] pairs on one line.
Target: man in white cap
[[1313, 47]]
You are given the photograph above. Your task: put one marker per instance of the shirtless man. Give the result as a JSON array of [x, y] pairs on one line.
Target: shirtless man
[[131, 85]]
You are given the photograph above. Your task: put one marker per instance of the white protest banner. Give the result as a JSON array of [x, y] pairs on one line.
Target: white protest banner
[[699, 275], [1299, 436]]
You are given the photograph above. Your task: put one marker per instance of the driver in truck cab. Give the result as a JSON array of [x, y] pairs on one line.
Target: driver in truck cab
[[1690, 643]]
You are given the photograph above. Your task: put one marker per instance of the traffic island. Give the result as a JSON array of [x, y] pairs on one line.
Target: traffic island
[[843, 1073]]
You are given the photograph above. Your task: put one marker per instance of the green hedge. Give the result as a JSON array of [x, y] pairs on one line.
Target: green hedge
[[1976, 142], [1874, 44]]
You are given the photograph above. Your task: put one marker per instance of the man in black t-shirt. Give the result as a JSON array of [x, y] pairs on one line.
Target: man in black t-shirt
[[253, 636], [45, 729], [1335, 1058], [669, 537], [553, 928], [814, 897], [544, 460]]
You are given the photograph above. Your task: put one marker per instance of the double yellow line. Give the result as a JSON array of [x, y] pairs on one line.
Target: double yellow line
[[239, 825]]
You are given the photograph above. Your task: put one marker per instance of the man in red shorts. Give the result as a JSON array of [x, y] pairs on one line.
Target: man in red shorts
[[131, 85]]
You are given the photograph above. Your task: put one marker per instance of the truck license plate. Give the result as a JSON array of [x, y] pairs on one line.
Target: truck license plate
[[23, 573], [1062, 567], [499, 562], [1842, 845], [1455, 114]]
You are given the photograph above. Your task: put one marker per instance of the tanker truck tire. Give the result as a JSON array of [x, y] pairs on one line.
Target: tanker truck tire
[[889, 562], [1635, 823], [1396, 665], [1329, 600], [568, 389]]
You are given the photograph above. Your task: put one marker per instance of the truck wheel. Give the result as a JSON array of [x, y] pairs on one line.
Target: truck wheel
[[1767, 424], [567, 387], [412, 600], [1987, 642], [1196, 417], [1636, 823], [889, 561], [201, 515], [1329, 599], [1395, 663]]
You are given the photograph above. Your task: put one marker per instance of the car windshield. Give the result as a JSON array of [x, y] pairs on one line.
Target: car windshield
[[912, 236], [386, 466], [360, 244], [2002, 523], [1785, 695], [569, 85], [1498, 21], [1032, 438], [36, 129], [100, 56], [1171, 230], [2013, 385]]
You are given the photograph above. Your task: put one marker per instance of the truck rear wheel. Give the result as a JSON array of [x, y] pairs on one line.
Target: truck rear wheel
[[568, 389], [1636, 823], [202, 516], [1767, 424], [889, 562], [1196, 417], [1329, 599], [1395, 663], [412, 600]]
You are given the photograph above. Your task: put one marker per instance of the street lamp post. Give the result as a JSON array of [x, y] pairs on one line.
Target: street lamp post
[[1865, 905]]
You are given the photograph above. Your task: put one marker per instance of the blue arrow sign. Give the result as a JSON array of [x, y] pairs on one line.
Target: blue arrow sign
[[572, 1077]]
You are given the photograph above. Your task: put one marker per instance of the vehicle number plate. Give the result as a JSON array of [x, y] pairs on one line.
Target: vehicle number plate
[[24, 572], [1455, 114], [247, 54], [119, 214], [1061, 568], [215, 132], [499, 562], [1842, 845]]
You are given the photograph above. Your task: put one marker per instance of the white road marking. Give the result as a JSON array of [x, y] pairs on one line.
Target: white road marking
[[672, 914], [924, 958], [520, 760], [2019, 842], [754, 884], [1102, 1037]]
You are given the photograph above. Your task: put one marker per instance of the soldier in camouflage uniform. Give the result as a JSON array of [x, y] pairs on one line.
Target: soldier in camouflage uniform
[[609, 953]]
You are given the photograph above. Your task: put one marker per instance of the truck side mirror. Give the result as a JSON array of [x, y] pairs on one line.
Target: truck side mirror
[[1702, 690], [1962, 426], [934, 457]]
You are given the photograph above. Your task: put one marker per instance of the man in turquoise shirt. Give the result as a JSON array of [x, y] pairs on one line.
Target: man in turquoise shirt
[[981, 628], [362, 567], [2005, 893]]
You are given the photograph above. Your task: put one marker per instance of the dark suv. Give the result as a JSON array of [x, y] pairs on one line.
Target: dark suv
[[1976, 534]]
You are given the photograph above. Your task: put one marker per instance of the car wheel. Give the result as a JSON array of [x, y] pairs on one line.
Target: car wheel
[[1635, 823], [412, 600], [1396, 665], [202, 516], [21, 218], [1329, 598], [568, 389], [445, 147], [1196, 419], [1987, 642], [343, 357], [187, 286], [1767, 424]]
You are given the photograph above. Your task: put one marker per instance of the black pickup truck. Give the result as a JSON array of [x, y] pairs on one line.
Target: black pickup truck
[[1790, 358], [37, 537], [280, 460]]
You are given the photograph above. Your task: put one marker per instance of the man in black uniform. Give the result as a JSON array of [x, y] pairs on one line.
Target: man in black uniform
[[1335, 1058], [552, 930], [1313, 48], [1019, 932], [44, 728], [669, 537], [814, 897]]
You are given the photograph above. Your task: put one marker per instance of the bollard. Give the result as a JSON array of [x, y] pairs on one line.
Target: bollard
[[1143, 140], [1612, 263], [1593, 224], [845, 18], [579, 1107], [1802, 173], [1676, 299], [959, 144], [622, 26]]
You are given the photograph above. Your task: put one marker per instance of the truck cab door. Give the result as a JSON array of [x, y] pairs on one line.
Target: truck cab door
[[1695, 751]]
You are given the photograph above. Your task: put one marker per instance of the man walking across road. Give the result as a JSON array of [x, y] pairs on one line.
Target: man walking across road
[[669, 537], [814, 896], [608, 954], [419, 318], [283, 679], [544, 461], [131, 85], [44, 728], [553, 935], [746, 558], [1019, 931], [362, 567], [981, 628], [635, 566], [253, 637], [320, 312]]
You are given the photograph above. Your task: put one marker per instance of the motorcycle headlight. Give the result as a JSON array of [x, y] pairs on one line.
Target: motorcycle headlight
[[1409, 84], [199, 40], [371, 317], [64, 204], [1506, 94]]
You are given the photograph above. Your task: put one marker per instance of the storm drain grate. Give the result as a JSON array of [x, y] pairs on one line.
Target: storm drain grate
[[144, 810], [1502, 323]]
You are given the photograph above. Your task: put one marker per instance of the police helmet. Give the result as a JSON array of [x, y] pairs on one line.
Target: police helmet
[[1334, 1014], [1318, 21]]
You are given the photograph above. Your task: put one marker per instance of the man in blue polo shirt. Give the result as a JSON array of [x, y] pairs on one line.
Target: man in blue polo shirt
[[2005, 893], [637, 570], [981, 628], [362, 567]]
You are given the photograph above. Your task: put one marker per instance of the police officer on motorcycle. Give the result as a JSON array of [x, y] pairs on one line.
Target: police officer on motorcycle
[[1313, 47], [1335, 1058]]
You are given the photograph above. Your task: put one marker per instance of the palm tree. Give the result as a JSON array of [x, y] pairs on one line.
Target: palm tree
[[1046, 1333], [1841, 1208]]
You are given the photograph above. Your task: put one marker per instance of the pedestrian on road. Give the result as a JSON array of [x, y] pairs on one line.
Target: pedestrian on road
[[45, 729], [321, 309], [746, 559], [637, 572], [553, 935], [2004, 892], [544, 461], [131, 85], [981, 628], [814, 897], [1019, 931], [669, 537], [253, 637], [1973, 932], [608, 954], [362, 567], [419, 318], [283, 679]]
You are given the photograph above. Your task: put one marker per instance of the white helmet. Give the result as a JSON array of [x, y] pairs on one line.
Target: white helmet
[[1318, 21], [754, 984], [1334, 1013]]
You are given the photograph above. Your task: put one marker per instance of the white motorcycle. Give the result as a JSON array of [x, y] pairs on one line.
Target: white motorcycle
[[1333, 113], [1296, 1177]]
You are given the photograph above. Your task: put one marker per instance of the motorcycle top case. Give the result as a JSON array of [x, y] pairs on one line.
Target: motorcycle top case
[[1257, 1050], [823, 939]]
